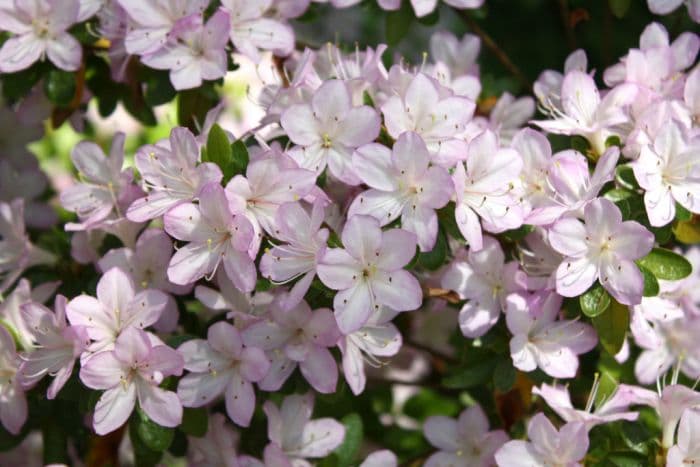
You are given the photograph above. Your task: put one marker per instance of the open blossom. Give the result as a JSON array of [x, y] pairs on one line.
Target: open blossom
[[604, 248], [669, 403], [455, 62], [465, 442], [131, 372], [152, 21], [103, 184], [195, 51], [484, 279], [269, 182], [17, 253], [328, 130], [547, 88], [11, 309], [171, 174], [221, 365], [368, 272], [297, 337], [547, 446], [486, 191], [615, 407], [147, 264], [40, 29], [117, 308], [294, 436], [30, 184], [585, 113], [669, 172], [540, 340], [13, 403], [243, 308], [664, 7], [215, 236], [434, 113], [402, 183], [376, 339], [251, 30], [687, 450], [215, 449], [57, 345], [299, 257]]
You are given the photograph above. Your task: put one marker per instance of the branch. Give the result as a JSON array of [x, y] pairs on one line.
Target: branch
[[566, 22], [491, 44]]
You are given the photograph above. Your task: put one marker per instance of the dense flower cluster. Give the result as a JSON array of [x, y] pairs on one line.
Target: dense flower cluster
[[366, 192]]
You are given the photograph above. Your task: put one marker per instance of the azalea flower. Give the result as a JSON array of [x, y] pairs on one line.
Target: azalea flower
[[604, 248], [195, 51], [431, 111], [171, 173], [486, 189], [13, 404], [402, 184], [58, 345], [484, 279], [687, 450], [217, 447], [381, 458], [669, 172], [221, 365], [465, 442], [540, 340], [304, 248], [328, 130], [11, 309], [664, 7], [131, 372], [585, 113], [215, 236], [547, 446], [368, 272], [615, 407], [40, 30], [117, 308], [297, 337], [294, 437]]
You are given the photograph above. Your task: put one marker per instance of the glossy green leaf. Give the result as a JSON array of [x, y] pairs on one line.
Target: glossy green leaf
[[666, 265]]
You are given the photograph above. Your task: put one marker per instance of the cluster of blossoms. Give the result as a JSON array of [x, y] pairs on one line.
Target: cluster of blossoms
[[366, 193]]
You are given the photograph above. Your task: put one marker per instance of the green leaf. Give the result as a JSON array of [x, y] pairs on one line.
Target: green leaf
[[612, 326], [619, 9], [347, 452], [624, 176], [504, 375], [651, 285], [143, 455], [580, 144], [218, 147], [240, 157], [59, 87], [154, 436], [682, 214], [398, 23], [666, 265], [194, 422], [426, 403], [519, 233], [435, 258], [472, 376], [619, 194], [595, 300], [613, 140], [158, 88]]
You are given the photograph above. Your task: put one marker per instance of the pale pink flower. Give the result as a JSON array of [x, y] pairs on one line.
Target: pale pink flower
[[686, 451], [117, 308], [465, 442], [294, 337], [604, 248], [13, 403], [540, 340], [486, 189], [195, 51], [329, 129], [368, 272], [171, 174], [402, 184], [484, 279], [217, 447], [57, 345], [547, 446], [221, 365], [131, 372], [40, 29], [215, 236]]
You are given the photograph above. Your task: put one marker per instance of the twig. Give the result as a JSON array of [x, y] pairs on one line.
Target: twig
[[491, 44], [566, 22]]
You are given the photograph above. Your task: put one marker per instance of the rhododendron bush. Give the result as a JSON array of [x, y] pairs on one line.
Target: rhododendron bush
[[278, 233]]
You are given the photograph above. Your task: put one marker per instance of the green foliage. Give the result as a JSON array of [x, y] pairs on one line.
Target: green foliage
[[595, 301], [611, 326], [666, 265], [154, 436]]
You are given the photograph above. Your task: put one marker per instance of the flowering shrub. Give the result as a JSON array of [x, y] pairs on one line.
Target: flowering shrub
[[349, 259]]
